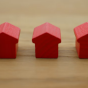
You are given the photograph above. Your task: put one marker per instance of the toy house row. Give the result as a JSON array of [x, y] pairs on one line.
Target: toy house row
[[46, 38]]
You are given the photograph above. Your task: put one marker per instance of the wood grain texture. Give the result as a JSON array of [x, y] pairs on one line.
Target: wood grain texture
[[68, 71]]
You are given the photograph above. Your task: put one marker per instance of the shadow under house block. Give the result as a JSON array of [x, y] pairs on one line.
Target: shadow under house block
[[9, 36], [81, 33], [46, 38]]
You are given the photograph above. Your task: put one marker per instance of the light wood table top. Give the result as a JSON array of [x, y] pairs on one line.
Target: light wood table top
[[68, 71]]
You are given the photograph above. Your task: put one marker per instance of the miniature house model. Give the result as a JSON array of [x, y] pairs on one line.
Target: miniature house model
[[81, 33], [9, 36], [46, 38]]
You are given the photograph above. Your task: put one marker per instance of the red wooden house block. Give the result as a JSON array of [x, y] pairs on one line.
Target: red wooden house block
[[46, 38], [81, 33], [9, 36]]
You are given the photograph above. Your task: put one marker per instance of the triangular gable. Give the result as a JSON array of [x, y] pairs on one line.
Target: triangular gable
[[81, 32], [46, 37], [47, 28], [10, 30]]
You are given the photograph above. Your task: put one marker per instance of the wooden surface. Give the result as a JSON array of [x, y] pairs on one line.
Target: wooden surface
[[68, 71]]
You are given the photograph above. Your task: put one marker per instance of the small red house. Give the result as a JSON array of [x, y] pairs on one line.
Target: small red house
[[81, 33], [46, 38], [9, 36]]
